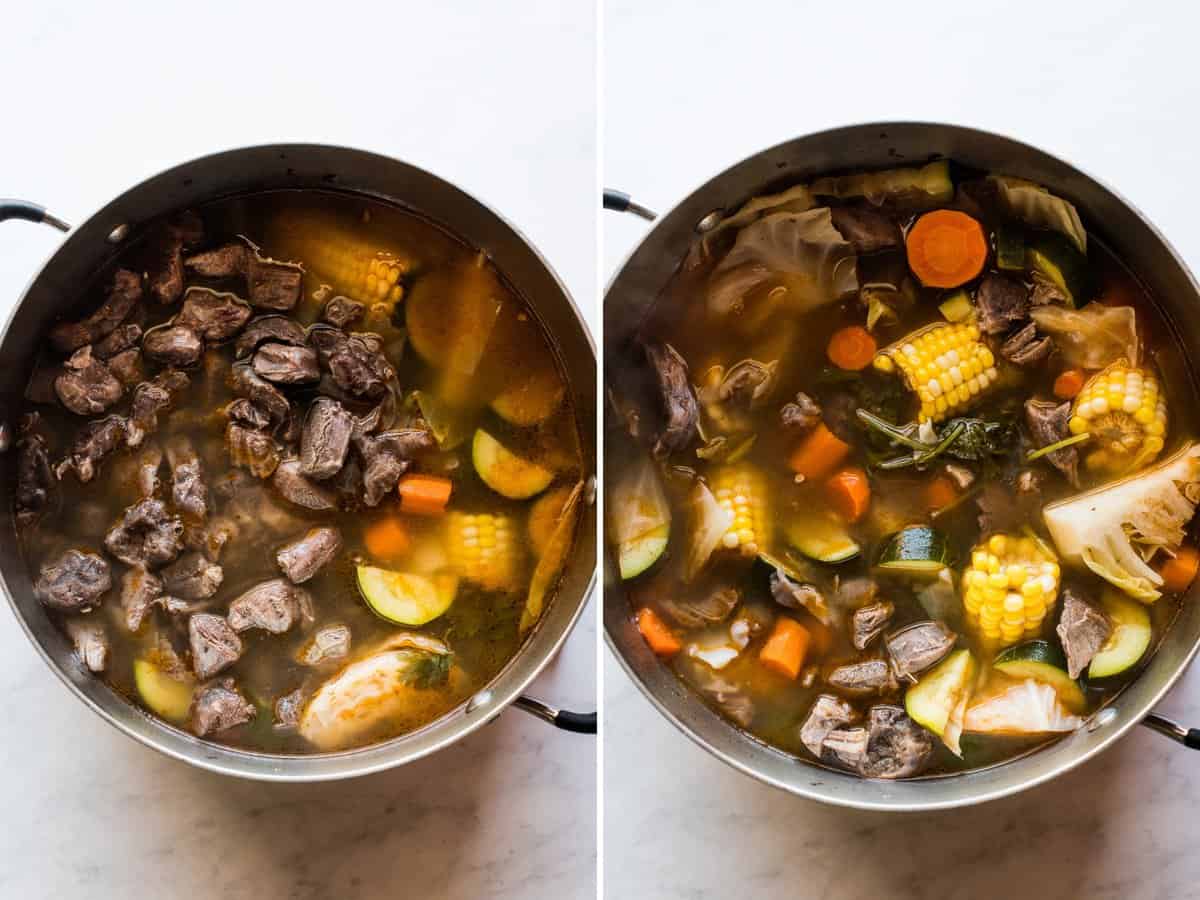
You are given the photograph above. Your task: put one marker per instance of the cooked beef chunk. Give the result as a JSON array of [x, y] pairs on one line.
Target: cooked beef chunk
[[124, 338], [211, 537], [676, 399], [325, 439], [289, 480], [74, 582], [92, 645], [127, 367], [123, 296], [868, 623], [254, 451], [287, 709], [151, 398], [705, 608], [218, 707], [302, 558], [916, 647], [1047, 423], [140, 590], [146, 535], [86, 386], [826, 714], [214, 316], [1046, 291], [273, 606], [871, 676], [246, 413], [846, 747], [249, 384], [1030, 482], [867, 231], [800, 415], [726, 696], [1000, 303], [173, 345], [93, 444], [795, 594], [1026, 347], [274, 328], [271, 284], [328, 644], [165, 277], [897, 747], [215, 645], [355, 361], [192, 577], [284, 364], [189, 493], [387, 456], [224, 262], [342, 311], [1083, 630], [35, 479]]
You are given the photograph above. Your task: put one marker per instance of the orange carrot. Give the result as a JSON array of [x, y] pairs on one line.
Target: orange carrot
[[946, 248], [849, 493], [785, 649], [1179, 570], [386, 539], [1069, 383], [940, 492], [424, 495], [660, 638], [851, 348], [818, 454]]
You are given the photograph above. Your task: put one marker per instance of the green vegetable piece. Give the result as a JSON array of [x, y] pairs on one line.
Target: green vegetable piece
[[916, 550], [1130, 638], [504, 471], [1055, 258], [822, 538], [403, 598], [939, 700], [1010, 249], [957, 307], [1044, 662]]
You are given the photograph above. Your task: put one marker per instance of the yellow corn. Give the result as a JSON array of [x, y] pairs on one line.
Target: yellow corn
[[354, 267], [946, 365], [1125, 413], [1008, 589], [741, 490], [483, 549]]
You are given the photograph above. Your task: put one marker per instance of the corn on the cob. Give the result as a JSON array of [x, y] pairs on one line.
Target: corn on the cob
[[945, 365], [741, 490], [1009, 588], [483, 549], [353, 266], [1125, 414]]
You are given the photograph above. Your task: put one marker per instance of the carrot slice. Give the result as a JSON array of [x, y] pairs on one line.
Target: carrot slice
[[1179, 571], [785, 649], [424, 495], [851, 348], [818, 454], [946, 248], [940, 492], [1069, 383], [849, 493], [386, 539], [660, 638]]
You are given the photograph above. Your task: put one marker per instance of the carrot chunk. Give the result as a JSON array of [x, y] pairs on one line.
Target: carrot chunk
[[660, 638], [1179, 571], [851, 348], [849, 493], [946, 248], [1069, 383], [818, 454], [785, 649], [424, 495], [386, 539]]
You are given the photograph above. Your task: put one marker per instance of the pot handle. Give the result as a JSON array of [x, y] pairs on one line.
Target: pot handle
[[619, 201], [30, 212], [580, 723], [1189, 737]]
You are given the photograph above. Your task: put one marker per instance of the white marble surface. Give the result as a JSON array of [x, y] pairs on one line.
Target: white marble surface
[[688, 92], [96, 97]]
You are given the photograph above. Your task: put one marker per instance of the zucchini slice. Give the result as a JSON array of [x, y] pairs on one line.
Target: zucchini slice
[[916, 550], [1010, 249], [637, 555], [403, 598], [939, 700], [822, 538], [505, 472], [1044, 662], [957, 307], [532, 396], [1056, 258], [1130, 638], [168, 697]]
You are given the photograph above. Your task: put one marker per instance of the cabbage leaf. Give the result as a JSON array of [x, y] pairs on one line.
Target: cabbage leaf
[[1036, 206], [1092, 337], [708, 521]]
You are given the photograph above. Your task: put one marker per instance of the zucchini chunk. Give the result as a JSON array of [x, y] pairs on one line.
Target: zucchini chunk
[[505, 472], [532, 396], [1055, 258], [403, 598], [822, 538], [917, 550], [1042, 661], [1130, 638]]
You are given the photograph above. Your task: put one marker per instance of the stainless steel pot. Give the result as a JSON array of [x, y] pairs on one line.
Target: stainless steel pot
[[647, 269], [92, 244]]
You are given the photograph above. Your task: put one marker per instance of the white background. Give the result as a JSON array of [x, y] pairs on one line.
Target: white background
[[690, 89], [497, 98]]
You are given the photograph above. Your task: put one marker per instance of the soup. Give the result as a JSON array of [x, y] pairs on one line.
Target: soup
[[900, 470], [304, 496]]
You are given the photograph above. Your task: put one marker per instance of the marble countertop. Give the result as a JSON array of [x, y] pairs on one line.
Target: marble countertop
[[98, 98], [688, 93]]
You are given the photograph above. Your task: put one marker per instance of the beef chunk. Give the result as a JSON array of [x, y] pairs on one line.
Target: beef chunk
[[706, 608], [792, 594], [270, 284], [249, 384], [726, 696], [826, 714], [94, 443], [287, 710], [123, 296], [86, 386], [246, 413], [273, 606], [291, 484], [212, 315], [35, 479], [189, 493], [355, 362], [273, 328], [676, 399], [868, 623], [325, 439], [149, 399], [1026, 347], [872, 676], [165, 276], [800, 415], [867, 231], [846, 747], [74, 582], [173, 345], [218, 707], [127, 367], [1083, 630], [254, 451], [386, 457], [917, 647], [284, 364], [210, 538], [1000, 303], [342, 311], [302, 558], [215, 645], [192, 577], [1046, 291], [1047, 423], [146, 535], [328, 644], [140, 590], [92, 645], [124, 338], [897, 747]]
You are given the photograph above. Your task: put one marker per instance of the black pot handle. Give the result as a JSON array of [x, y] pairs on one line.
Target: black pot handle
[[30, 212], [580, 723], [1189, 737], [619, 201]]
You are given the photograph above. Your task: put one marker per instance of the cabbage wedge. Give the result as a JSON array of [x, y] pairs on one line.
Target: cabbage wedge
[[1036, 206]]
